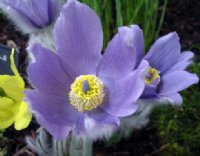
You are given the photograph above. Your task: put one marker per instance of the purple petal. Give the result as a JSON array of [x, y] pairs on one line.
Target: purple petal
[[138, 42], [30, 15], [59, 132], [120, 55], [101, 117], [47, 74], [176, 81], [37, 11], [149, 91], [80, 126], [79, 38], [183, 61], [121, 96], [164, 53], [22, 22], [143, 67], [54, 8], [174, 98], [54, 113]]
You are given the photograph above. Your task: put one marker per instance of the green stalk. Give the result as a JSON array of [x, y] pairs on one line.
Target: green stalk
[[161, 19], [119, 18]]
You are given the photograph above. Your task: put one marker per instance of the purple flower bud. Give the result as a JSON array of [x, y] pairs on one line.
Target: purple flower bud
[[31, 15]]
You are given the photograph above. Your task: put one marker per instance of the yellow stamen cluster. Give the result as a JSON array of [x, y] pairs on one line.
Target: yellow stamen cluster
[[152, 75], [89, 97]]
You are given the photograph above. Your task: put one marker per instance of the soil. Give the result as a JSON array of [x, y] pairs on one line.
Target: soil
[[181, 16]]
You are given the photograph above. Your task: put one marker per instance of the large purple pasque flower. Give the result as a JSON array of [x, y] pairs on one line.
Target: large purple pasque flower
[[166, 75], [31, 15], [77, 89]]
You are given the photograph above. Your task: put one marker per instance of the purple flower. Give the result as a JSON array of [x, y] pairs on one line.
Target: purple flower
[[31, 15], [166, 75], [77, 89]]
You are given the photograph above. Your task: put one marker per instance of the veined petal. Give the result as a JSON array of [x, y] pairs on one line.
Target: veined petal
[[121, 96], [176, 81], [59, 132], [79, 38], [31, 15], [23, 117], [138, 42], [183, 61], [54, 7], [104, 122], [102, 118], [54, 113], [96, 119], [164, 53], [174, 98], [123, 53], [19, 18], [47, 74], [80, 126], [37, 11], [149, 91]]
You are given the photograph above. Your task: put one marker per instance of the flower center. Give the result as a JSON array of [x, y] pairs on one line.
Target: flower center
[[152, 76], [87, 92]]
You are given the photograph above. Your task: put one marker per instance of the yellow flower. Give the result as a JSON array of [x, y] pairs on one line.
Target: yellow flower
[[12, 107]]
